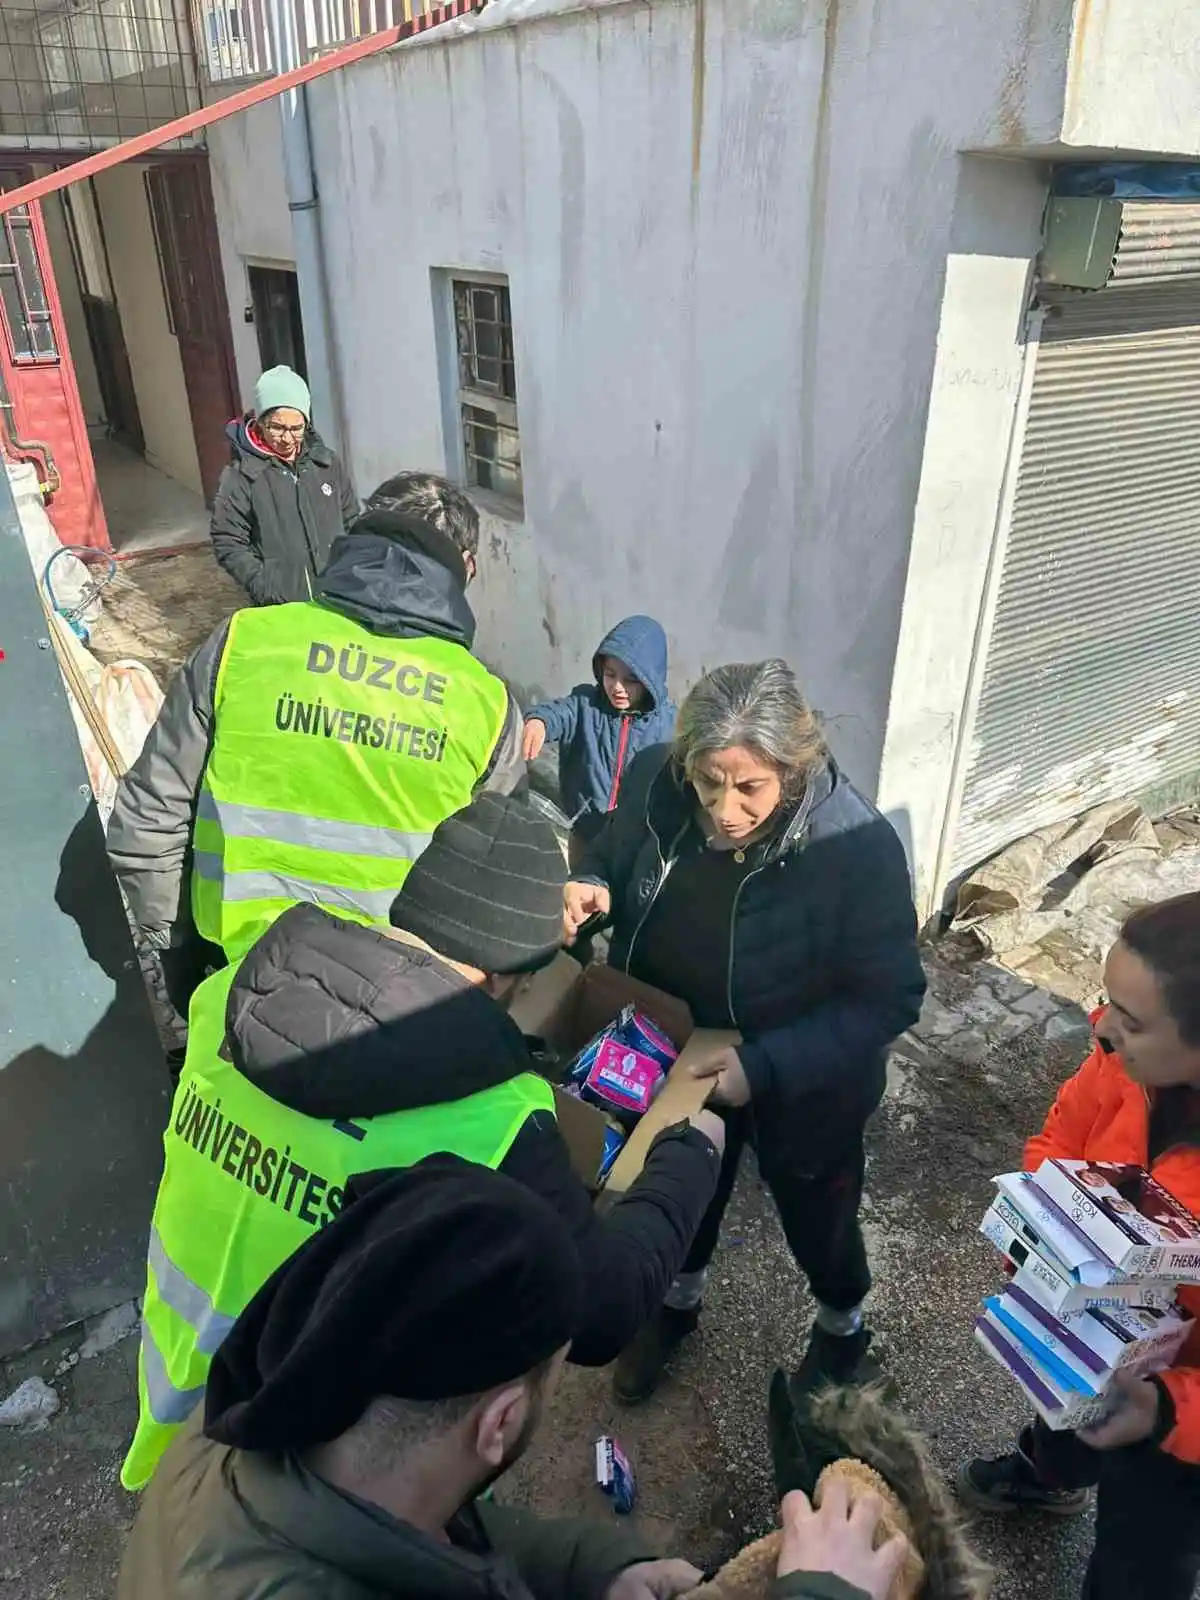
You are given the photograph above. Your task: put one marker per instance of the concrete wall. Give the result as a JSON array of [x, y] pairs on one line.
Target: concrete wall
[[253, 221], [769, 263], [971, 431], [1132, 77], [153, 349], [725, 227]]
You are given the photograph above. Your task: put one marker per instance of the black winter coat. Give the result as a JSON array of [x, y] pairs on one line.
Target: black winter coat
[[340, 1022], [825, 971], [273, 523]]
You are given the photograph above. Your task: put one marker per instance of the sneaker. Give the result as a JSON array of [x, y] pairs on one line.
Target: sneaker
[[836, 1359], [641, 1364], [1001, 1485]]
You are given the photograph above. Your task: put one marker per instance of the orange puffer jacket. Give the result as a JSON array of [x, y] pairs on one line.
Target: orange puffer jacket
[[1102, 1115]]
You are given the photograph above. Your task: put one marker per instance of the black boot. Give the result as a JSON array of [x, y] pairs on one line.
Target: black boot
[[643, 1361], [1012, 1483], [837, 1359]]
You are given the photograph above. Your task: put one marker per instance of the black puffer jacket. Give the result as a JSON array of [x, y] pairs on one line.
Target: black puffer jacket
[[273, 523], [825, 971], [339, 1022]]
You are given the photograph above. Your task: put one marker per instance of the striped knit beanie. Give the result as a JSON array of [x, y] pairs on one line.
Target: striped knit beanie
[[488, 889]]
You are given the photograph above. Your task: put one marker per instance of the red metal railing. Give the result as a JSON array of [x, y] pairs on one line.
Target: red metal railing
[[240, 100]]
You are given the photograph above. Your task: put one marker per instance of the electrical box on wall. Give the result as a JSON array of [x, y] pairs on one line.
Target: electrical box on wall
[[1080, 242]]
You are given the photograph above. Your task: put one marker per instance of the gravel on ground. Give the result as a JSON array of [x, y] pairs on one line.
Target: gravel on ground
[[964, 1090]]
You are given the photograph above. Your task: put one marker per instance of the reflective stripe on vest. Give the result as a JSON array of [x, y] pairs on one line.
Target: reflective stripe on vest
[[371, 905], [187, 1299], [169, 1406], [344, 838], [335, 755], [245, 1182]]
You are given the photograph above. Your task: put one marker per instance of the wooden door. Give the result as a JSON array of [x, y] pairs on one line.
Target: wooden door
[[38, 373], [185, 230], [275, 295], [106, 334]]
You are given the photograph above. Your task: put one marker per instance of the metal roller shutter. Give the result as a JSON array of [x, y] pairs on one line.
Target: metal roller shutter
[[1091, 684]]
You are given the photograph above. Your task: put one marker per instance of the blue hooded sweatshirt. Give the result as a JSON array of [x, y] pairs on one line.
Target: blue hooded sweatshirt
[[596, 742]]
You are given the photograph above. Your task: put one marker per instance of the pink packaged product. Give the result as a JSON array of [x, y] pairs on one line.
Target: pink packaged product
[[624, 1066], [623, 1080]]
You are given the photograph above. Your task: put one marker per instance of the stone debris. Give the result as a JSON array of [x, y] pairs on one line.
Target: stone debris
[[109, 1330], [29, 1406]]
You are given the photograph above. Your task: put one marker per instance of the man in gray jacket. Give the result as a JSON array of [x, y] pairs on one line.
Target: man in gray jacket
[[333, 818], [350, 1432]]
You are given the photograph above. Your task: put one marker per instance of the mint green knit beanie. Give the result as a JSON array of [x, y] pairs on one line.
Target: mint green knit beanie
[[280, 386]]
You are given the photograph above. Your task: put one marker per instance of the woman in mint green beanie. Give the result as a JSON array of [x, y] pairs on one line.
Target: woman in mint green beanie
[[283, 498]]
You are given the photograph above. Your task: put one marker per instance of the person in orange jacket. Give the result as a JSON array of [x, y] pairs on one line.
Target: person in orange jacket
[[1135, 1099]]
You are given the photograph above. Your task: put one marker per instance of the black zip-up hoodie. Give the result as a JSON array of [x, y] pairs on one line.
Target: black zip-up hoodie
[[341, 1022]]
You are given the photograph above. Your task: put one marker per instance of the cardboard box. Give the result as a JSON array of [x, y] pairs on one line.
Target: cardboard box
[[1048, 1281], [564, 1005], [1062, 1241], [1129, 1217], [1042, 1342], [1016, 1226], [1095, 1344], [1057, 1404]]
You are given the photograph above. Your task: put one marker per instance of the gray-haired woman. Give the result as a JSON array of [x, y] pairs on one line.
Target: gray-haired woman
[[743, 873]]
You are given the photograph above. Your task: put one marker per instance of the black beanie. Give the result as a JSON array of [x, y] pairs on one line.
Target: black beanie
[[488, 888], [445, 1279]]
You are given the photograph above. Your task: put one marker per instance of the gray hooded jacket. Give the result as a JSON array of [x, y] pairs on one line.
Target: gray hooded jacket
[[394, 589]]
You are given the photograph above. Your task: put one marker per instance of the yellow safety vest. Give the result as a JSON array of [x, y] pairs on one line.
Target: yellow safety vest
[[335, 755], [245, 1182]]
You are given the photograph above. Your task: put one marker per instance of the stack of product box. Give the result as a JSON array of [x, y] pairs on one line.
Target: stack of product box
[[1097, 1252]]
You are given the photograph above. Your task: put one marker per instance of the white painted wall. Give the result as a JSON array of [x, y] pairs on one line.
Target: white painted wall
[[725, 229], [253, 222], [768, 275], [1132, 78], [972, 424], [153, 349]]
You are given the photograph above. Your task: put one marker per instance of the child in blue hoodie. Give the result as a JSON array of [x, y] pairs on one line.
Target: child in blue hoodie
[[599, 727]]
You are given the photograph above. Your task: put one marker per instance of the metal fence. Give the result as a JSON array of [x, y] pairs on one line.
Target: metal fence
[[235, 38], [86, 75]]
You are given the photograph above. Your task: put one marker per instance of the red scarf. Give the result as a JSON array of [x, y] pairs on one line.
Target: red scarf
[[259, 443]]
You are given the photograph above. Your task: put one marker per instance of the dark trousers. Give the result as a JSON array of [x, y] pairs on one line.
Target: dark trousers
[[818, 1210], [184, 969], [1147, 1515]]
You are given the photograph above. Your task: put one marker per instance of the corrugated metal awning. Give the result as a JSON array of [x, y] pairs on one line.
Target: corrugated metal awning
[[1158, 241], [1091, 684]]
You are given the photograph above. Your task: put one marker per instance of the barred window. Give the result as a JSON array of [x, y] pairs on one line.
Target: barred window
[[487, 386]]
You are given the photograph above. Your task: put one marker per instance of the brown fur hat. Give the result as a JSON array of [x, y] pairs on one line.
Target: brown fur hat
[[884, 1456], [751, 1573], [872, 1431]]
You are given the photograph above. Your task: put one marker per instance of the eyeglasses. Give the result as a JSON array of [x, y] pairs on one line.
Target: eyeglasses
[[280, 430]]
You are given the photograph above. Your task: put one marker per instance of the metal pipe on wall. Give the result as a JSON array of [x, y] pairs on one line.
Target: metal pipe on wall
[[304, 206]]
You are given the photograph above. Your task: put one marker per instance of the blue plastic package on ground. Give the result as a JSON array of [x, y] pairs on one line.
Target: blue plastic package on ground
[[614, 1475]]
